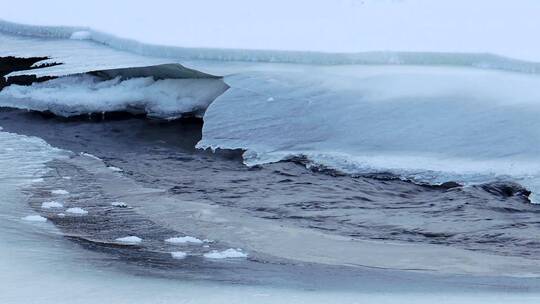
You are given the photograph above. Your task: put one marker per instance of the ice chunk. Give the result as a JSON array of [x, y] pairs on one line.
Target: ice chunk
[[183, 240], [132, 240], [51, 204], [178, 255], [77, 210], [59, 192], [61, 214], [116, 169], [82, 94], [225, 254], [34, 218], [37, 180], [119, 204]]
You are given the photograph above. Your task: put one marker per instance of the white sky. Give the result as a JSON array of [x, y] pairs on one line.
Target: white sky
[[504, 27]]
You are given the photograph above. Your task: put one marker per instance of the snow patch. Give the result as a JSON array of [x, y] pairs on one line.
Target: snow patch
[[35, 218], [51, 204], [130, 240], [225, 254], [183, 240]]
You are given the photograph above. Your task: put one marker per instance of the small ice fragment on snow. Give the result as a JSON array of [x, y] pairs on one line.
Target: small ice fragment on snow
[[178, 255], [119, 204], [37, 180], [77, 210], [61, 215], [51, 204], [34, 218], [129, 240], [115, 169], [59, 192], [81, 35], [183, 239], [206, 246], [229, 253], [66, 177], [270, 99]]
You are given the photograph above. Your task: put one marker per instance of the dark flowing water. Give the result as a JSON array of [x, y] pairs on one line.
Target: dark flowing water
[[496, 218]]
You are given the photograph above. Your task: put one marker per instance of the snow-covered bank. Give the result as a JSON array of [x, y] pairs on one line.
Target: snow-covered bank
[[448, 117], [502, 27]]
